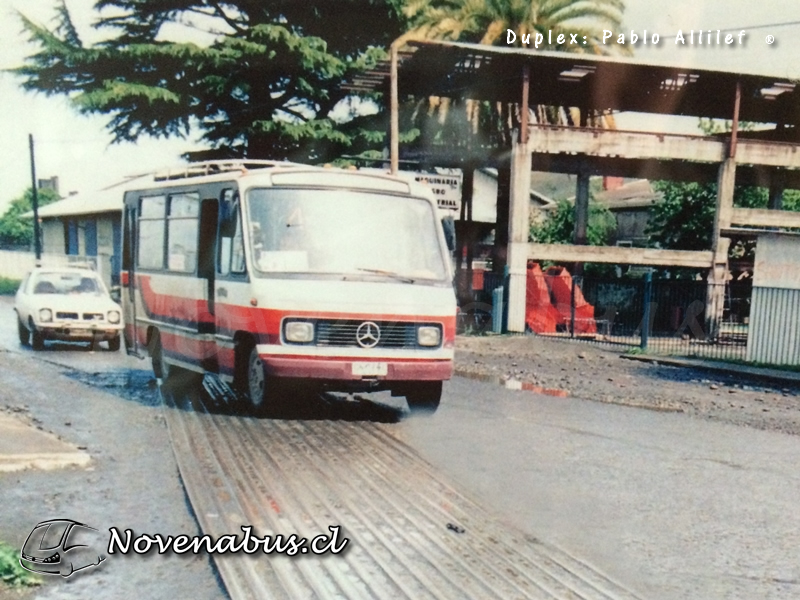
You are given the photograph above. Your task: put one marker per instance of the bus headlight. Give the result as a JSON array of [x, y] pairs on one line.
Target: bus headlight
[[299, 332], [45, 315], [429, 336], [113, 317]]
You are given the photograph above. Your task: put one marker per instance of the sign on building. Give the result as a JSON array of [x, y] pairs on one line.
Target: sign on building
[[446, 189]]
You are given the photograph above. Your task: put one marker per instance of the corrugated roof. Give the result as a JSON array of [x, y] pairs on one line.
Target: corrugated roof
[[453, 69], [108, 199]]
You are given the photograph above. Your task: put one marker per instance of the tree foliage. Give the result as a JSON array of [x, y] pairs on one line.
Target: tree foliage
[[486, 21], [559, 225], [265, 84], [683, 218], [16, 230]]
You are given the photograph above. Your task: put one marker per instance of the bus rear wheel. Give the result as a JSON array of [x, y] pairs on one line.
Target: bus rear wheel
[[423, 397], [161, 368]]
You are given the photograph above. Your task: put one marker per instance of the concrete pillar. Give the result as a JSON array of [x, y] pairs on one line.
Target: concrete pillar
[[715, 297], [581, 209], [776, 186], [518, 232], [501, 228], [580, 237], [464, 240]]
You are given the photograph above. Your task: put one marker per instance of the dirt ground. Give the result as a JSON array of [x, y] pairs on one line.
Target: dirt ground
[[590, 372]]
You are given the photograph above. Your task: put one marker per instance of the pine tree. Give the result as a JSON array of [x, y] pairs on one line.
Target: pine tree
[[266, 83]]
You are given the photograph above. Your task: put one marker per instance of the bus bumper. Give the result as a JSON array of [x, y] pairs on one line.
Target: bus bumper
[[347, 370]]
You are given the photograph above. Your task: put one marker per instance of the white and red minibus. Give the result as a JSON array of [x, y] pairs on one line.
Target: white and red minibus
[[274, 275]]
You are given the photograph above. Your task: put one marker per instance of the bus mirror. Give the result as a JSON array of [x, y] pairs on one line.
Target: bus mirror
[[227, 215]]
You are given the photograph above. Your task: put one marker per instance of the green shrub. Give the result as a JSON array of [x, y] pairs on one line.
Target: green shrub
[[8, 287], [11, 572]]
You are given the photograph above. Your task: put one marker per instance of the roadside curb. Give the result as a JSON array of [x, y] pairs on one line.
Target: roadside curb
[[773, 375], [23, 446], [511, 383]]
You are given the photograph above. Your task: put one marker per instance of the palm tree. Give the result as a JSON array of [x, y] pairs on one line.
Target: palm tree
[[486, 21]]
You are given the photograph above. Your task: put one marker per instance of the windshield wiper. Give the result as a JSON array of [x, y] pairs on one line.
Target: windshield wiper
[[392, 274]]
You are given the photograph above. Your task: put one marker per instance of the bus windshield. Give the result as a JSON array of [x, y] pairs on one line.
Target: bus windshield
[[344, 232]]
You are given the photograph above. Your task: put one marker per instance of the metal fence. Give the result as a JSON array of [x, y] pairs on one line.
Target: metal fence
[[671, 316]]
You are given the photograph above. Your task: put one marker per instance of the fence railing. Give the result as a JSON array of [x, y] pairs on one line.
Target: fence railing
[[673, 316]]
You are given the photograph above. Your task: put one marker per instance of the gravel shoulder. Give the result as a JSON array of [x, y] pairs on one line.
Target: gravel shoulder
[[600, 374]]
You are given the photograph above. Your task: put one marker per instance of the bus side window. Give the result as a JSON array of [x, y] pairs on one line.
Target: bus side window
[[231, 243], [182, 232], [151, 232], [237, 251]]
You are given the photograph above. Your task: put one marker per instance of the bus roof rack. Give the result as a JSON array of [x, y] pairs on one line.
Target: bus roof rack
[[212, 167]]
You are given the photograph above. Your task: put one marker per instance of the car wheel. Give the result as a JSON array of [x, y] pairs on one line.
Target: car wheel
[[161, 368], [114, 344], [24, 334], [37, 340], [423, 397]]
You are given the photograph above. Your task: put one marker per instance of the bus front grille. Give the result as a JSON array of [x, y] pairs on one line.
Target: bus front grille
[[345, 333]]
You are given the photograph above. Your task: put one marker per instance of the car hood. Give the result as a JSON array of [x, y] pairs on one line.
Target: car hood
[[75, 303]]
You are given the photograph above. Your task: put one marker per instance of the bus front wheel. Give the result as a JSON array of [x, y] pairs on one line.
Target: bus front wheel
[[263, 392], [424, 396]]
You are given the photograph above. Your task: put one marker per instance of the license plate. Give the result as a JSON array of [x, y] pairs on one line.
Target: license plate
[[80, 331], [370, 369]]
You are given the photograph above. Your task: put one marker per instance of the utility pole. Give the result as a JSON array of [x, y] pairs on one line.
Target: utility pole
[[36, 237]]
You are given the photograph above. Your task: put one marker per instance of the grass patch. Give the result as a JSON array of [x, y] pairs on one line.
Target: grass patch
[[635, 351], [8, 287], [11, 572]]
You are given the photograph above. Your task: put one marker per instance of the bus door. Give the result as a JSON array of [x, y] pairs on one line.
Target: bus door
[[128, 279], [230, 280], [206, 252]]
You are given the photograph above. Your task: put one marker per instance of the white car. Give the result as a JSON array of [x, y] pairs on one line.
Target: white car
[[69, 304]]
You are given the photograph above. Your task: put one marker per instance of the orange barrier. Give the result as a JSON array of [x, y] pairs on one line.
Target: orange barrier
[[540, 315], [560, 283]]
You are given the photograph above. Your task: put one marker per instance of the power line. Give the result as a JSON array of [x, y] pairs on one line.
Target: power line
[[733, 29], [784, 24]]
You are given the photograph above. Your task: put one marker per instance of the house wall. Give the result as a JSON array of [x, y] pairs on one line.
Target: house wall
[[55, 242], [52, 236], [15, 265], [774, 335]]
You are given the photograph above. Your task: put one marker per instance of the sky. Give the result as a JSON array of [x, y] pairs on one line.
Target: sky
[[78, 150]]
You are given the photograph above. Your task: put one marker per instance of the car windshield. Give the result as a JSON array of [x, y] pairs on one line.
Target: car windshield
[[54, 282], [345, 232]]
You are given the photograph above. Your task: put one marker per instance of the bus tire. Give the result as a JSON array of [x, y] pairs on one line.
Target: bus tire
[[423, 397], [263, 393], [161, 367]]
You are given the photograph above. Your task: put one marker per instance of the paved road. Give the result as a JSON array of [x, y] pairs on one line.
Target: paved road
[[673, 507], [670, 506]]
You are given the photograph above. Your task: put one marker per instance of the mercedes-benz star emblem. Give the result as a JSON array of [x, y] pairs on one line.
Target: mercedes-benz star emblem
[[368, 334]]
